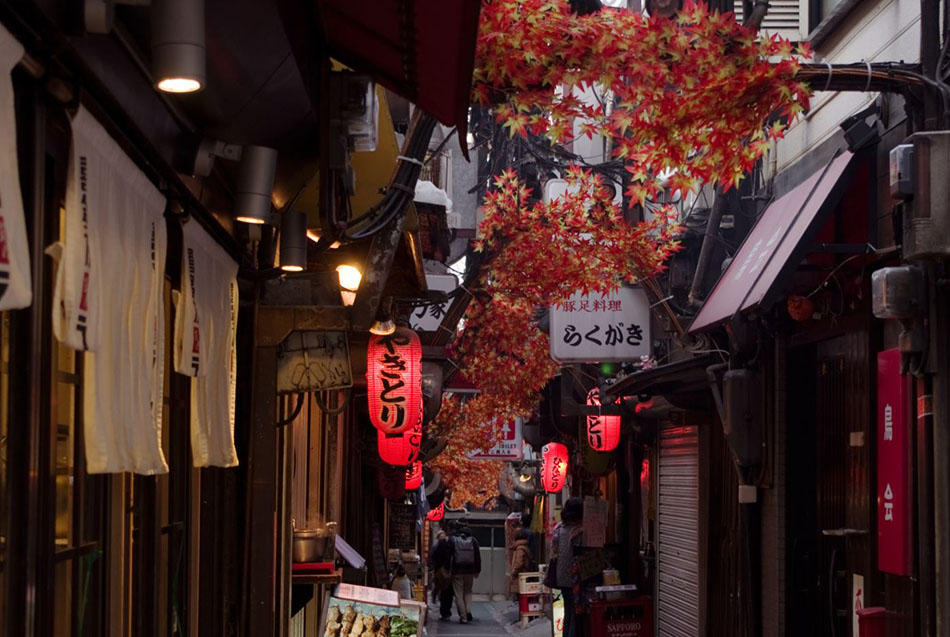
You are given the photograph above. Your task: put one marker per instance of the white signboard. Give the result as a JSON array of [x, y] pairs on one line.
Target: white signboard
[[510, 447], [427, 318], [595, 328]]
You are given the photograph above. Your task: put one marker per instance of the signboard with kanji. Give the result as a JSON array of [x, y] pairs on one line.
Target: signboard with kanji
[[894, 493], [510, 446], [427, 318], [595, 328]]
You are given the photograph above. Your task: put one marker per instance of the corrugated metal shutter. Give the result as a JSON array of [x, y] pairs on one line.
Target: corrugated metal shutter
[[788, 18], [678, 548]]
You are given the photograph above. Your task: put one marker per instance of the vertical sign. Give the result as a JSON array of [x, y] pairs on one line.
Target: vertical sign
[[893, 466]]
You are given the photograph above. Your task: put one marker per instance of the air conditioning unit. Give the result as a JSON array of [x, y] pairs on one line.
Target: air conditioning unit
[[927, 216]]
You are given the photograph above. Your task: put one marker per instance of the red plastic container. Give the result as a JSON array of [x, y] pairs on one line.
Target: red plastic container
[[529, 603], [631, 617], [874, 622]]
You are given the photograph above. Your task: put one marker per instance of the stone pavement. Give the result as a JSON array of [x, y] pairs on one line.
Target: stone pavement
[[491, 619]]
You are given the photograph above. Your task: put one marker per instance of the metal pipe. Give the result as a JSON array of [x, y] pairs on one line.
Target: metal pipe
[[705, 252], [941, 469], [925, 525]]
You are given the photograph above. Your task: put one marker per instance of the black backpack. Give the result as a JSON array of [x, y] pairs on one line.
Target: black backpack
[[464, 551]]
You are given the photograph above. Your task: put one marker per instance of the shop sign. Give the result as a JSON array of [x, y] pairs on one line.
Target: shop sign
[[601, 328], [427, 318], [510, 446], [893, 466], [402, 526]]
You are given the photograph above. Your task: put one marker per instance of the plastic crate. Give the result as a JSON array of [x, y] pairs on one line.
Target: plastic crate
[[529, 583], [529, 604]]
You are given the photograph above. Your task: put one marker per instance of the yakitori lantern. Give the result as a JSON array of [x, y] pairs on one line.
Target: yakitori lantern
[[603, 432], [401, 449], [414, 476], [394, 380], [437, 513], [553, 467]]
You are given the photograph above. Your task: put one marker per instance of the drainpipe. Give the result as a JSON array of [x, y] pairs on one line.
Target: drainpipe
[[705, 252]]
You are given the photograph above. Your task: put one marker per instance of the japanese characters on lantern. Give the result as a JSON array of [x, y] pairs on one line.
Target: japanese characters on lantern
[[414, 476], [437, 513], [394, 380], [553, 467], [603, 432], [401, 449]]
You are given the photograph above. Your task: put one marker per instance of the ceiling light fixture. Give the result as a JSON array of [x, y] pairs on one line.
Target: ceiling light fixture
[[255, 184], [384, 323], [314, 236], [178, 45], [349, 277], [293, 241]]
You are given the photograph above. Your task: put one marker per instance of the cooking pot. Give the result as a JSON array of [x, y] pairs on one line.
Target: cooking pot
[[310, 545]]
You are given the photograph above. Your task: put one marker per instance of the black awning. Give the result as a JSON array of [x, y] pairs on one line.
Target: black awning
[[682, 376]]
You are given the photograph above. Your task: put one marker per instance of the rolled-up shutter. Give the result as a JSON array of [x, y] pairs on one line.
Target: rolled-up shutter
[[678, 519]]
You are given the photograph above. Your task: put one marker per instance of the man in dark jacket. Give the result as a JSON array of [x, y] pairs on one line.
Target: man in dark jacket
[[441, 560], [466, 565]]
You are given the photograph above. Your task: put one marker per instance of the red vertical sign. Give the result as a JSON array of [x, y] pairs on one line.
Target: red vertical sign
[[894, 486]]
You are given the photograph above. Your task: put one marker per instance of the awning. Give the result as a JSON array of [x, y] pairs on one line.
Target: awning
[[686, 375], [348, 553], [423, 50], [776, 245]]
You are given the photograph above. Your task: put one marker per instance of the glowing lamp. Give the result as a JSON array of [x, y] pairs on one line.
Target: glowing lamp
[[401, 449], [414, 476], [350, 278], [437, 513], [603, 432], [553, 467], [394, 380]]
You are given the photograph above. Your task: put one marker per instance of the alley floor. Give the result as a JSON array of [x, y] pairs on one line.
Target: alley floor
[[491, 619]]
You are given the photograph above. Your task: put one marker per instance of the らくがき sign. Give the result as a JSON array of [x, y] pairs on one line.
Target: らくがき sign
[[601, 328]]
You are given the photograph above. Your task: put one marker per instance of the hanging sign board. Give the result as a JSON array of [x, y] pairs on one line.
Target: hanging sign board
[[595, 328], [510, 446], [894, 494], [313, 361], [402, 526], [427, 318]]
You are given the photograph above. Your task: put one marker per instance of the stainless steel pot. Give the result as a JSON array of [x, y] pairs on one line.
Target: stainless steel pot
[[309, 545]]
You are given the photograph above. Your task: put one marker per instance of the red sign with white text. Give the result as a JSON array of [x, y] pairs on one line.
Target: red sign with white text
[[894, 486]]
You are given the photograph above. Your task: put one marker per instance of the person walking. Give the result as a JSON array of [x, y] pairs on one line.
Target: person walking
[[441, 560], [568, 538], [466, 566], [401, 583], [521, 559]]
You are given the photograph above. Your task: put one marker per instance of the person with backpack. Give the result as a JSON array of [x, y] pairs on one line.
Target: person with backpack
[[466, 566]]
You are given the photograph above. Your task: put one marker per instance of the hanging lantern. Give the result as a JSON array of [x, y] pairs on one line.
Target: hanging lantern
[[401, 449], [414, 476], [394, 379], [437, 513], [603, 432], [553, 467], [392, 482]]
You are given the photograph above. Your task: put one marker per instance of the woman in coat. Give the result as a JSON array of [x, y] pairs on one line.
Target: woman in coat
[[521, 560], [566, 542]]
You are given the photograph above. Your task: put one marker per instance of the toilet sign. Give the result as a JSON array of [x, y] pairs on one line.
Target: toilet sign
[[894, 554], [510, 446]]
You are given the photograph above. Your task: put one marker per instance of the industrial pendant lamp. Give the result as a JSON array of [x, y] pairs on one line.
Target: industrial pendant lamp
[[350, 278], [384, 324], [293, 241], [255, 184], [178, 45]]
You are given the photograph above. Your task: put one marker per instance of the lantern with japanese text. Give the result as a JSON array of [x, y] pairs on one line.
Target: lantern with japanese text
[[603, 432], [553, 467], [414, 476], [394, 380], [437, 513], [401, 449]]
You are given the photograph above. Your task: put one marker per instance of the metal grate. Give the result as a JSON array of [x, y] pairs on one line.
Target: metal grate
[[678, 522], [784, 18]]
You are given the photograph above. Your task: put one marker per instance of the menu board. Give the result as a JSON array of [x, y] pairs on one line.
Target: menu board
[[402, 526], [595, 522], [352, 618]]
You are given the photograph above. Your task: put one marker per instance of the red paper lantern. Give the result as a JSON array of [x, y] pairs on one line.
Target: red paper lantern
[[414, 476], [553, 467], [392, 482], [394, 379], [401, 449], [437, 513], [603, 432]]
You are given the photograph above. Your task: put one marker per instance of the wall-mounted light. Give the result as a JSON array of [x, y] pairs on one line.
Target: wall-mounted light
[[255, 184], [178, 45], [314, 235], [349, 277], [293, 241]]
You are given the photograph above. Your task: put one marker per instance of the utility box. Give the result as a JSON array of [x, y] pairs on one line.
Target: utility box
[[927, 217], [742, 400]]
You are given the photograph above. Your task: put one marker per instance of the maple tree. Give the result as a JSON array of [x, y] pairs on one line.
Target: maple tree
[[688, 100]]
